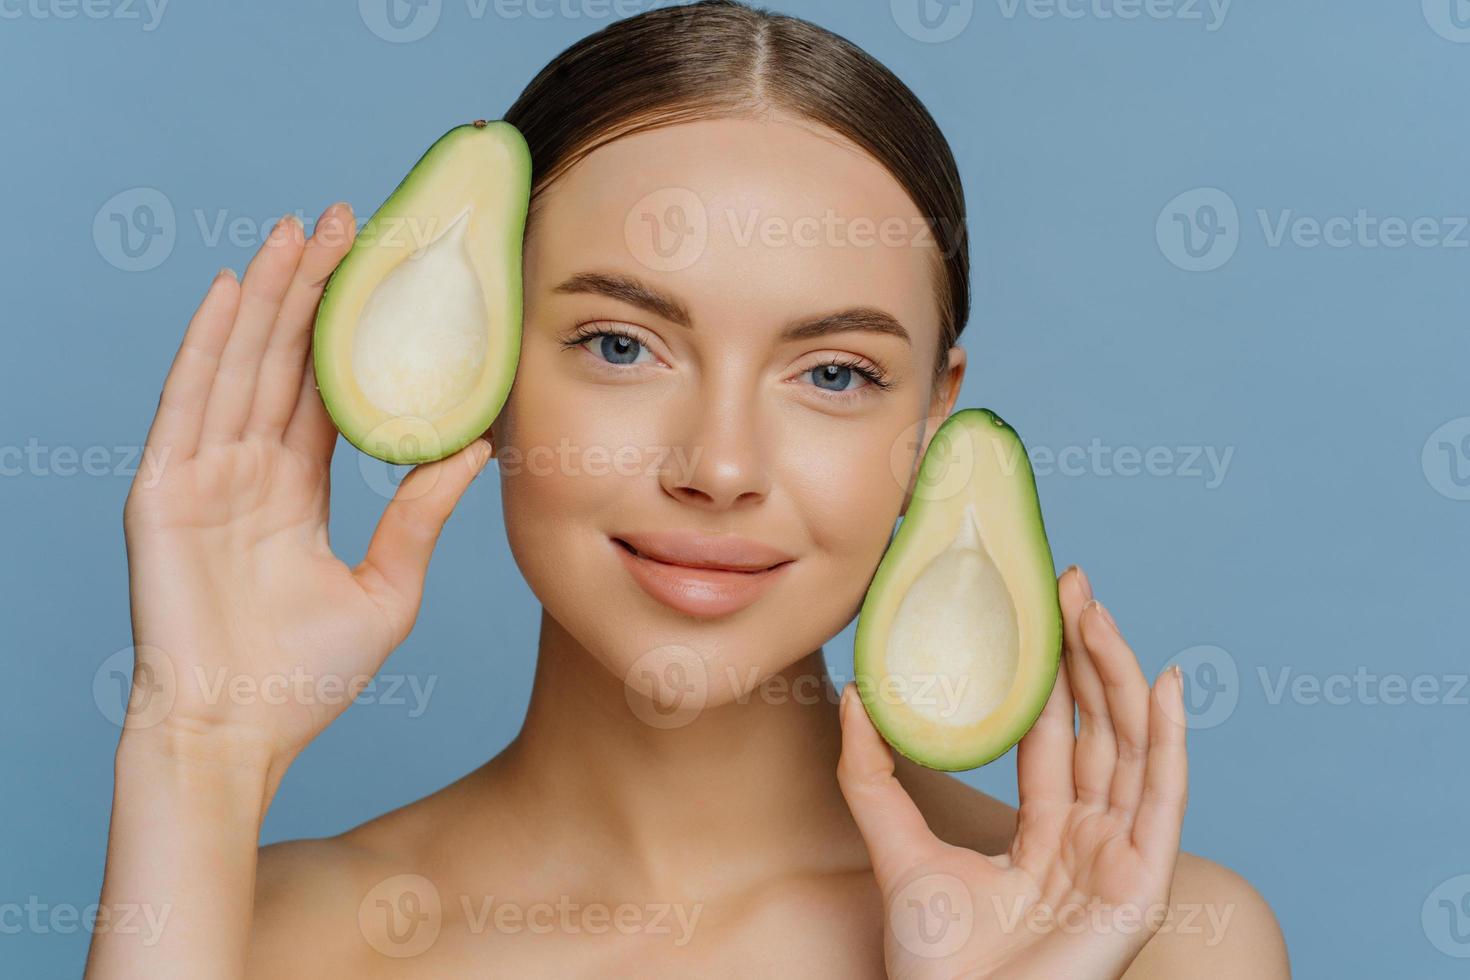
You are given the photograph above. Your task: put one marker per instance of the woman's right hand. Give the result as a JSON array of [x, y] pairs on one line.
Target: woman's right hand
[[250, 633]]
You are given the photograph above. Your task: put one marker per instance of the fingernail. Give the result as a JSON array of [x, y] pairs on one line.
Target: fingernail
[[483, 451], [1102, 611], [225, 272], [1178, 675], [1082, 581]]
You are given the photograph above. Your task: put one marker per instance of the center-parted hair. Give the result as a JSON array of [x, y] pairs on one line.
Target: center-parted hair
[[723, 58]]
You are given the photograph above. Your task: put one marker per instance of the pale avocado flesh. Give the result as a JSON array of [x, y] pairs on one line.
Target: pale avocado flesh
[[418, 332], [959, 637]]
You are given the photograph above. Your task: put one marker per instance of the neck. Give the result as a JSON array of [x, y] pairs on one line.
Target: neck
[[745, 790]]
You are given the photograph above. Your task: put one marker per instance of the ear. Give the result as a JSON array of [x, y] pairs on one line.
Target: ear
[[941, 405]]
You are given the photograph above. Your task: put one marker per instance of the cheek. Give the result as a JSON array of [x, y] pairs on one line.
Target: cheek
[[847, 479]]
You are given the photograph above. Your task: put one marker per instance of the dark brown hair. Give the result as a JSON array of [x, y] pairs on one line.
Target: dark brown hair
[[724, 58]]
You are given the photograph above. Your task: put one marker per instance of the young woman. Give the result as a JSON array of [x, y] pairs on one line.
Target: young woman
[[768, 831]]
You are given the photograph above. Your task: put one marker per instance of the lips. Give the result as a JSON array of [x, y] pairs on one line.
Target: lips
[[701, 575], [712, 551]]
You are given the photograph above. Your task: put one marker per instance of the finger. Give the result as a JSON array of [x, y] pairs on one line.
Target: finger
[[311, 430], [892, 826], [398, 554], [266, 280], [1044, 757], [1127, 695], [1160, 819], [1096, 752], [279, 384], [1044, 774], [180, 415]]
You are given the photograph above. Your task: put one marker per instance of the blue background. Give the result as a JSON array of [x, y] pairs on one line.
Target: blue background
[[1334, 543]]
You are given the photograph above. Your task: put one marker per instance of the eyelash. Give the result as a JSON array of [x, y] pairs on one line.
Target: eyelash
[[872, 374]]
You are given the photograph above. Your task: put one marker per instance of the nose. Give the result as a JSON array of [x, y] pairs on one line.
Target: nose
[[721, 459]]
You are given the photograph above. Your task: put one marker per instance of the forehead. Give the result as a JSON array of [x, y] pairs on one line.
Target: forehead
[[757, 217]]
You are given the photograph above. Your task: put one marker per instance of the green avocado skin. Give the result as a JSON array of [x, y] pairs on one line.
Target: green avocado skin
[[516, 180], [1045, 617]]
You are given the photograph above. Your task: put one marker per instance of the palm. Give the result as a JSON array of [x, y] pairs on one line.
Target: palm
[[243, 617], [1086, 880]]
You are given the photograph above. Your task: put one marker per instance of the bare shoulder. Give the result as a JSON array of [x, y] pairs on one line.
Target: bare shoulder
[[307, 894], [1218, 925], [310, 896]]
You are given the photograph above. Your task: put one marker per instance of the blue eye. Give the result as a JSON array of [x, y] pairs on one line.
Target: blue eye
[[837, 377], [611, 346], [618, 348], [834, 377]]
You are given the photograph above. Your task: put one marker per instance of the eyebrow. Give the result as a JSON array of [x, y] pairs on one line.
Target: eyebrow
[[633, 291]]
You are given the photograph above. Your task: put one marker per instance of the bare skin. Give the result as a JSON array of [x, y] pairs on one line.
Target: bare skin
[[764, 837]]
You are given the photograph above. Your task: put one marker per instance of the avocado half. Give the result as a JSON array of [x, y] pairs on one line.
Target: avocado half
[[418, 331], [960, 633]]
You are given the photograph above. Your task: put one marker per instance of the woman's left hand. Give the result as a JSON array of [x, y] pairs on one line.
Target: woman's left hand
[[1086, 881]]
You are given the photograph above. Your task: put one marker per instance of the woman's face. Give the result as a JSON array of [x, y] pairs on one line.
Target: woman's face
[[730, 332]]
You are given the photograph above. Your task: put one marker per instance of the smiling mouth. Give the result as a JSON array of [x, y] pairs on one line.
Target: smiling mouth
[[704, 591], [700, 566]]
